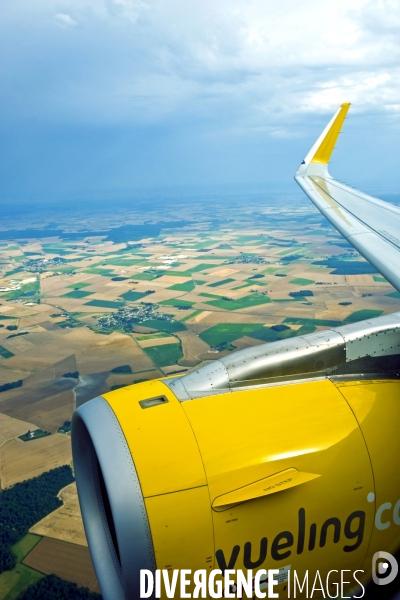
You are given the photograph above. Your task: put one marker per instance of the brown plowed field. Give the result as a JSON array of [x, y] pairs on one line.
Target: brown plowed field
[[44, 406], [68, 561]]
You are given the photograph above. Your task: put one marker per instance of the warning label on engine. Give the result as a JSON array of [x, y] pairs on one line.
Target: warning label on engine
[[280, 577]]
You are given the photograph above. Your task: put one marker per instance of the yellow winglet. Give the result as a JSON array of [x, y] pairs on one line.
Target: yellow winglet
[[325, 149]]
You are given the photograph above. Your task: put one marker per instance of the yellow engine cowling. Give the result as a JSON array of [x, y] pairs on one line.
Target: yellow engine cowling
[[290, 475]]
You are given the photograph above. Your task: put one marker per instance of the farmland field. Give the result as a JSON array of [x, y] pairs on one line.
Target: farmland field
[[246, 302], [130, 291], [11, 428], [68, 561], [162, 356], [18, 579], [20, 460], [226, 332]]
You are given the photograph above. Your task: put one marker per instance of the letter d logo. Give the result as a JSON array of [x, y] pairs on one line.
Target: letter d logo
[[384, 568]]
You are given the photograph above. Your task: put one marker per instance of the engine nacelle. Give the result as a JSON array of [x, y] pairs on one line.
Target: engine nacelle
[[282, 456]]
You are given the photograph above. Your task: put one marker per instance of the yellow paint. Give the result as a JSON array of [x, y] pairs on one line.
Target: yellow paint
[[249, 435], [205, 467], [323, 154], [160, 439], [322, 188], [376, 406], [181, 529]]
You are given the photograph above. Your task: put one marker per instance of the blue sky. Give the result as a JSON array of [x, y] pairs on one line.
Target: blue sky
[[100, 97]]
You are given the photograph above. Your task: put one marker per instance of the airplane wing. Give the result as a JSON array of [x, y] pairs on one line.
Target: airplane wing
[[367, 223]]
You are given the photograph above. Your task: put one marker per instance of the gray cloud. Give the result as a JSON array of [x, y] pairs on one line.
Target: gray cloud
[[223, 70]]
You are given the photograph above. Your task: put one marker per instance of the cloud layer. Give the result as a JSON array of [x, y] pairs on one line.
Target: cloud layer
[[226, 70]]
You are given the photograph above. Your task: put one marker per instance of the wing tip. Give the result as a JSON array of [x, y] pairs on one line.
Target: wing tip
[[320, 153], [324, 150]]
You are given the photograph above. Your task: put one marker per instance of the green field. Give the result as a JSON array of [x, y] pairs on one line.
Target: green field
[[77, 294], [57, 252], [380, 279], [188, 286], [163, 356], [273, 270], [78, 286], [253, 281], [161, 325], [123, 262], [227, 332], [132, 296], [360, 315], [98, 271], [33, 286], [148, 276], [104, 303], [243, 239], [346, 267], [152, 336], [222, 282], [394, 295], [188, 273], [242, 286], [193, 314], [301, 281], [5, 353], [267, 334], [177, 302], [246, 302], [312, 322], [13, 582], [295, 299], [13, 271], [205, 295]]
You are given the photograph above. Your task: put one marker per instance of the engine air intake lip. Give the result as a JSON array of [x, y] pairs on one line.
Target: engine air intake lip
[[111, 500]]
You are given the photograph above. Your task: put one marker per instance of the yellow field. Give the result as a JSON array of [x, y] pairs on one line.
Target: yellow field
[[23, 460], [65, 523]]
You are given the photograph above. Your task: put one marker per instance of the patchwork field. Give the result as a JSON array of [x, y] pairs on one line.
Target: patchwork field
[[120, 294]]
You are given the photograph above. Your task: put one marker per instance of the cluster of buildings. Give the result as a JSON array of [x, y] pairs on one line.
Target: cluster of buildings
[[128, 316], [245, 259]]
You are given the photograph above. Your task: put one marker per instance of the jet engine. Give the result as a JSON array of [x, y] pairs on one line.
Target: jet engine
[[281, 456]]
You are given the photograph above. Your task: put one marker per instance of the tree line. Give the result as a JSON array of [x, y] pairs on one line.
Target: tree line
[[26, 503], [54, 588]]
